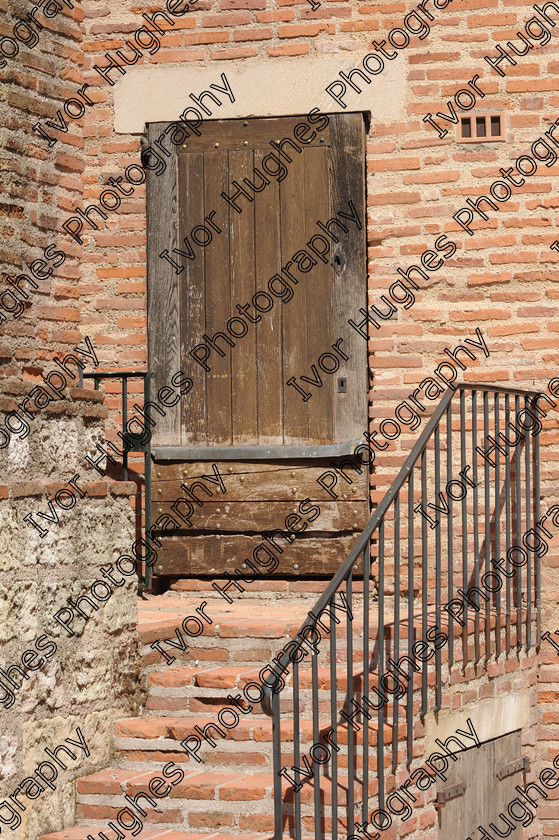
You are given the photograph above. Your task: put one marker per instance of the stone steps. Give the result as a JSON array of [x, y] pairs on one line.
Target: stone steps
[[166, 733], [203, 800], [89, 833], [226, 790], [194, 690]]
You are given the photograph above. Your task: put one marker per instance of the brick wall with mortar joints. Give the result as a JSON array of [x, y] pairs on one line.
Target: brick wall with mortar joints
[[416, 205], [475, 685], [39, 186]]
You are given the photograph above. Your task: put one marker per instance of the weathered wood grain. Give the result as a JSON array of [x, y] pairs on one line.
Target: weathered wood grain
[[214, 555], [273, 485], [255, 517]]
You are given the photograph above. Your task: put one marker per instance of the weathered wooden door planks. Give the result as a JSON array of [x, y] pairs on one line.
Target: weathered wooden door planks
[[243, 399]]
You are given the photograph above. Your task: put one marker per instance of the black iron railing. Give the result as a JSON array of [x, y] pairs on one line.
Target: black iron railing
[[133, 442], [443, 561]]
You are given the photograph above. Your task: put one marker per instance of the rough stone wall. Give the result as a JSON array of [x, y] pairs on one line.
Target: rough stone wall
[[93, 676]]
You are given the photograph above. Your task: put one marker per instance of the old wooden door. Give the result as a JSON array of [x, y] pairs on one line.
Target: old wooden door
[[480, 785], [256, 261]]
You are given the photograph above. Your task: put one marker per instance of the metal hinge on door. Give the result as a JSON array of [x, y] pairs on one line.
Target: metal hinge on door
[[449, 793], [520, 764]]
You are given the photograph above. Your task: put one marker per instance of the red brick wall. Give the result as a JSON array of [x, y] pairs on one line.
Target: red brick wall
[[39, 184]]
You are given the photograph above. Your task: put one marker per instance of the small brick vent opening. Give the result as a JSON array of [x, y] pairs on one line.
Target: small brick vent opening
[[481, 128]]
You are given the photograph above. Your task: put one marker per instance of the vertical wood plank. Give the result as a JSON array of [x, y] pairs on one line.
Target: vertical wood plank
[[350, 270], [192, 296], [294, 322], [243, 355], [163, 288], [319, 293], [260, 363], [269, 349], [506, 749], [218, 303]]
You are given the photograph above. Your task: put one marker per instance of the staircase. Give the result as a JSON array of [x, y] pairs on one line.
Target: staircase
[[229, 793], [317, 756]]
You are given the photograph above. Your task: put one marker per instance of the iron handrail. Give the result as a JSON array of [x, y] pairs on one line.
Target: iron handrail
[[379, 513], [502, 479], [124, 376]]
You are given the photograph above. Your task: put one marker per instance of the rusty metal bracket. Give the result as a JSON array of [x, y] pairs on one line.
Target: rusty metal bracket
[[519, 764], [449, 793]]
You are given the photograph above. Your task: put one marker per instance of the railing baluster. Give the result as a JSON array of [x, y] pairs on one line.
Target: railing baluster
[[518, 462], [537, 581], [450, 535], [297, 749], [477, 652], [366, 630], [334, 725], [497, 528], [147, 483], [318, 828], [528, 526], [464, 516], [276, 766], [380, 667], [487, 526], [423, 711], [124, 422], [350, 732], [438, 687], [508, 524], [409, 698], [396, 647]]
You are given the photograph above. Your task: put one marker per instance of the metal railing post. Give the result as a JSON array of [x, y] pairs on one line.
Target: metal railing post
[[124, 376], [148, 573]]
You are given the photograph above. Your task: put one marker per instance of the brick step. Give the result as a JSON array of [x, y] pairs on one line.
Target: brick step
[[202, 800], [231, 677], [274, 628], [147, 742], [144, 761], [243, 651], [280, 627], [166, 733], [210, 802], [189, 690], [231, 637], [259, 589], [202, 680], [198, 690], [82, 832]]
